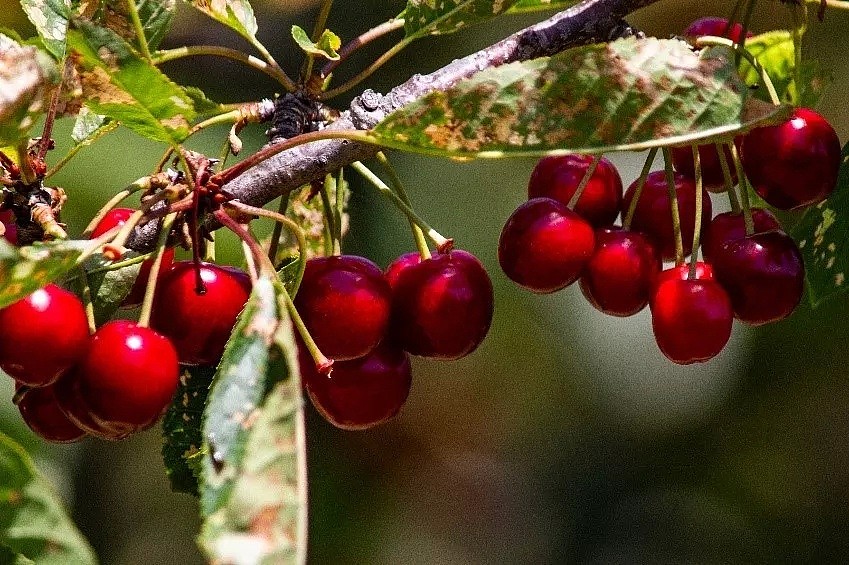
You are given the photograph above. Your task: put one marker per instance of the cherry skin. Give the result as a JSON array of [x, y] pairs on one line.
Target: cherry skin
[[42, 414], [621, 273], [345, 303], [118, 217], [716, 27], [127, 378], [544, 245], [199, 325], [42, 335], [559, 177], [73, 406], [442, 307], [691, 319], [794, 164], [763, 274], [729, 226], [364, 392], [712, 175], [653, 214]]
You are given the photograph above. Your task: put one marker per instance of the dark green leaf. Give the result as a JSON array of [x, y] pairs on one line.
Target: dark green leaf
[[109, 288], [537, 5], [33, 523], [9, 557], [26, 269], [203, 105], [156, 17], [434, 17], [181, 428], [50, 18], [823, 238], [325, 47], [629, 94], [238, 15], [25, 72], [119, 84]]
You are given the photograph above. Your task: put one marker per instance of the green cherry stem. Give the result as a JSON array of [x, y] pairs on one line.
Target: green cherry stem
[[143, 183], [272, 70], [641, 183], [277, 231], [697, 226], [398, 186], [332, 246], [584, 182], [85, 294], [673, 207], [358, 42], [744, 190], [729, 182], [762, 73], [368, 71], [443, 244], [137, 25], [339, 212], [150, 289]]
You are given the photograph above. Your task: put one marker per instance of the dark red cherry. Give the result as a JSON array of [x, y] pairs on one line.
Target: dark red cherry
[[73, 406], [127, 378], [716, 27], [712, 176], [42, 335], [199, 324], [345, 303], [399, 265], [364, 392], [42, 414], [729, 226], [620, 276], [544, 246], [7, 217], [653, 214], [691, 319], [793, 164], [763, 274], [559, 177], [442, 307]]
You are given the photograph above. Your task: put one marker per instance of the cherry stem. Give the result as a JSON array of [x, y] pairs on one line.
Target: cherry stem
[[341, 190], [249, 259], [97, 244], [641, 183], [141, 184], [274, 245], [442, 244], [368, 71], [358, 42], [121, 264], [85, 292], [584, 182], [744, 191], [321, 20], [127, 229], [762, 74], [729, 182], [673, 208], [332, 246], [150, 289], [323, 364], [398, 187], [697, 224]]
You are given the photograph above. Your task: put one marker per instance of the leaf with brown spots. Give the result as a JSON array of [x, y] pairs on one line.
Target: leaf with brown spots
[[24, 270], [25, 73], [630, 94], [438, 17], [536, 5]]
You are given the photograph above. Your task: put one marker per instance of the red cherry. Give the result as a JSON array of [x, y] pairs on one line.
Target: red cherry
[[42, 335], [345, 303], [729, 226], [620, 275], [681, 273], [559, 177], [716, 27], [199, 325], [763, 274], [544, 245], [442, 307], [364, 392], [691, 319], [653, 215], [128, 377], [399, 265], [73, 406], [793, 164], [41, 413], [118, 217], [712, 176]]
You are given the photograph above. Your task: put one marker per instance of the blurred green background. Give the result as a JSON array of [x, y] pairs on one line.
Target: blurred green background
[[567, 437]]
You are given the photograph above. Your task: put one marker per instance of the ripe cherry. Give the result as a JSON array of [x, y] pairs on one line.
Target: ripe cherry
[[793, 164], [763, 274], [716, 27], [42, 414], [73, 406], [42, 335], [620, 276], [345, 303], [364, 392], [199, 324], [544, 245], [127, 378], [653, 214], [712, 175], [559, 177], [691, 319], [729, 226], [118, 217], [442, 307]]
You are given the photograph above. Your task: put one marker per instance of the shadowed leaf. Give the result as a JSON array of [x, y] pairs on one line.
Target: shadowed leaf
[[24, 75], [537, 5], [238, 15], [436, 17], [24, 270]]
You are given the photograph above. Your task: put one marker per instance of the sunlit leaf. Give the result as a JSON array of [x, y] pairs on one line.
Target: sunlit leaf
[[325, 47], [24, 270], [630, 94], [50, 18], [435, 17], [238, 15]]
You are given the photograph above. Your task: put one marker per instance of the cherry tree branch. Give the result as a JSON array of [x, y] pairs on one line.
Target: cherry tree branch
[[591, 21]]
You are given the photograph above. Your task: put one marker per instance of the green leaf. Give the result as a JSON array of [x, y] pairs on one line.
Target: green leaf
[[823, 238], [118, 83], [181, 428], [537, 5], [630, 94], [203, 105], [50, 18], [156, 17], [238, 15], [33, 523], [437, 17], [86, 124], [24, 270], [252, 491], [10, 557], [24, 74], [325, 47], [110, 288]]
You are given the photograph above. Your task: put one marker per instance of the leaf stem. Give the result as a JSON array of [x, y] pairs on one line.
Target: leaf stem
[[744, 190], [397, 185], [321, 20], [641, 183], [729, 182], [270, 69], [367, 72], [331, 245], [673, 208], [141, 184], [137, 25], [579, 191], [697, 224], [764, 76], [85, 292], [150, 289], [358, 42], [274, 244]]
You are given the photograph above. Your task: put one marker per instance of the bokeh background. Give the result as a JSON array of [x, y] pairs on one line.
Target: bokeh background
[[567, 437]]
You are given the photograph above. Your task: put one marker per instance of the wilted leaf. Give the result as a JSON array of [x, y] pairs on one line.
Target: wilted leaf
[[238, 15], [435, 17], [630, 94], [325, 47], [24, 75], [50, 18], [33, 524], [24, 270]]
